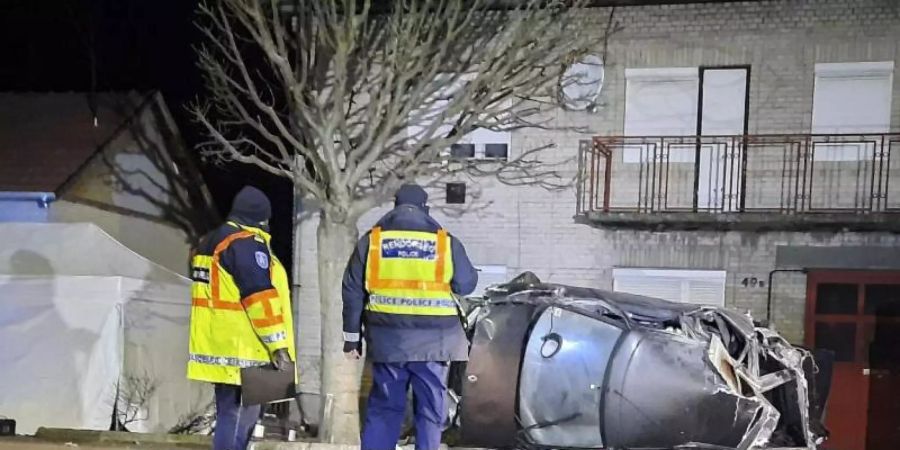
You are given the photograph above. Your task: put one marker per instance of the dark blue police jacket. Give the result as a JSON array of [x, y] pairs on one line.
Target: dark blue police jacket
[[416, 339]]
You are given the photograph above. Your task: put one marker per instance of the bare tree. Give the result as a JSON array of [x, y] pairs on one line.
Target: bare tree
[[351, 98], [200, 420], [132, 397]]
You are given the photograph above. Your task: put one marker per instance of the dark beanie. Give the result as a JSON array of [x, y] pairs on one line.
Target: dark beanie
[[411, 194], [251, 204]]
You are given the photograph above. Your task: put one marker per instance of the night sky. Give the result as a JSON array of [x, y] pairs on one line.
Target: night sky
[[138, 45]]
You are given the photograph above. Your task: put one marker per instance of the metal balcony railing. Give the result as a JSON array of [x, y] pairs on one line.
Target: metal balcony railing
[[785, 174]]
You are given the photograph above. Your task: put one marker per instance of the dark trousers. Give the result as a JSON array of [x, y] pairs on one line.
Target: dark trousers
[[387, 404], [234, 422]]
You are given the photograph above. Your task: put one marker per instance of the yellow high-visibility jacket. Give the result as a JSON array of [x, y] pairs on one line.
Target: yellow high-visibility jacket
[[229, 332]]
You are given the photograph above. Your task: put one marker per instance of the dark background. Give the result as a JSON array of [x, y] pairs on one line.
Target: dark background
[[122, 45]]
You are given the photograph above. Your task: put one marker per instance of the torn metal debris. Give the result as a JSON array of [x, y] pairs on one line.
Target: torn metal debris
[[555, 366]]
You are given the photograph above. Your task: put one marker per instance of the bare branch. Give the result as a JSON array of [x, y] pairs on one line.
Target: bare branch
[[353, 83], [132, 397], [198, 421]]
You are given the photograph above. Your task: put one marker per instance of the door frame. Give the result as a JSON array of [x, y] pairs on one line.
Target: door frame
[[743, 178], [859, 365], [860, 277]]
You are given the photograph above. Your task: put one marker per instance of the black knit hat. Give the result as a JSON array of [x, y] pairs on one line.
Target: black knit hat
[[252, 205], [411, 194]]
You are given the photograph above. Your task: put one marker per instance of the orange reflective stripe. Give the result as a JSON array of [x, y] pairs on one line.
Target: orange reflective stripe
[[214, 279], [374, 263], [441, 256], [265, 297], [228, 240], [267, 322], [261, 296], [217, 304], [409, 284]]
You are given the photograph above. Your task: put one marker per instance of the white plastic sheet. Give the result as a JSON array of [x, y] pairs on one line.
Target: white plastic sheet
[[73, 340]]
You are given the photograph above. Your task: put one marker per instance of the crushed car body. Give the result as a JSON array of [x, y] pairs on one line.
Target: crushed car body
[[555, 366]]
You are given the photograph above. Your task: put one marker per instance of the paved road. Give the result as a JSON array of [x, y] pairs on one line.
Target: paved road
[[31, 444]]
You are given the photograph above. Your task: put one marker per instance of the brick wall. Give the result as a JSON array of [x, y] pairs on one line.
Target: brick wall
[[528, 228], [781, 41]]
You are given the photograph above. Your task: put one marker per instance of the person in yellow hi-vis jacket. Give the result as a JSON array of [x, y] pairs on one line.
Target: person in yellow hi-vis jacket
[[240, 315]]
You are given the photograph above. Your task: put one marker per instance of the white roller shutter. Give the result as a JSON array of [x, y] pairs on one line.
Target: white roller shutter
[[683, 286], [851, 98], [661, 102]]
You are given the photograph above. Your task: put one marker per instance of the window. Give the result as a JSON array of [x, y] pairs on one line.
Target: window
[[496, 151], [661, 102], [683, 286], [489, 144], [836, 298], [883, 300], [462, 151], [669, 102], [851, 98]]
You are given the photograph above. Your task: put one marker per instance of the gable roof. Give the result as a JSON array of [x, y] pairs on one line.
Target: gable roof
[[45, 138]]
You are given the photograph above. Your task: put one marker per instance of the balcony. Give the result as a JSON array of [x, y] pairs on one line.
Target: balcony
[[754, 182]]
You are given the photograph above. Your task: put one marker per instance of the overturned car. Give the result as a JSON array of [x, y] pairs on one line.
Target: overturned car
[[555, 366]]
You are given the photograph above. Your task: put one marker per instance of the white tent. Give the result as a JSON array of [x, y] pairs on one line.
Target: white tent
[[85, 323]]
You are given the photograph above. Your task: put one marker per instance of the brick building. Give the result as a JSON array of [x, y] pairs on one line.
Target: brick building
[[775, 189]]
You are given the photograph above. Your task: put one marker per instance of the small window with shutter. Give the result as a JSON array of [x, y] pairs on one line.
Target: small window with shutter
[[684, 286]]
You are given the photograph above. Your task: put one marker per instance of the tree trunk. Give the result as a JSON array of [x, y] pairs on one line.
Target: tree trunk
[[340, 377]]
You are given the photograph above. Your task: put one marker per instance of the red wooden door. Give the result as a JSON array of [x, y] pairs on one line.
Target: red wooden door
[[883, 302], [857, 315]]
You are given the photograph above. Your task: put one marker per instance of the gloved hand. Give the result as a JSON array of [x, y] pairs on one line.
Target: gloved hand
[[281, 359], [353, 350]]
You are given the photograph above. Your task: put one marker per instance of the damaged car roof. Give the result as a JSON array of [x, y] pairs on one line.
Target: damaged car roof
[[590, 301]]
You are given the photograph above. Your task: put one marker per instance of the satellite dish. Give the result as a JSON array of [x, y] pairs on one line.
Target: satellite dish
[[581, 83]]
